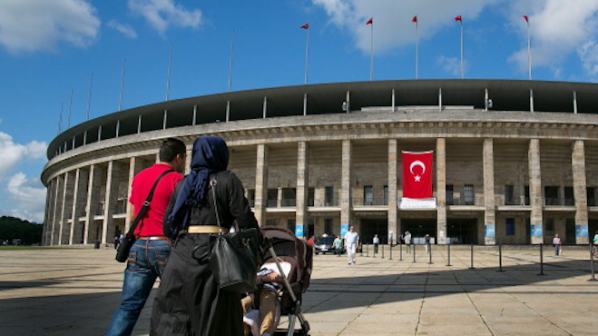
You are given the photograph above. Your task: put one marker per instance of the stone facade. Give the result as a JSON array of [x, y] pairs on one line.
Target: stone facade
[[510, 177]]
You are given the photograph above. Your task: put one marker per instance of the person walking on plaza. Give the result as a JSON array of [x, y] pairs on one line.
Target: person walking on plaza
[[338, 246], [427, 242], [596, 245], [376, 242], [149, 254], [351, 244], [209, 200], [556, 242], [407, 240]]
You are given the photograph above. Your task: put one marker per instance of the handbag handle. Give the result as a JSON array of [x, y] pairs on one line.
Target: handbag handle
[[213, 184], [146, 203]]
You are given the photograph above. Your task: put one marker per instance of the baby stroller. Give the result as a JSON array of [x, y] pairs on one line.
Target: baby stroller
[[293, 258]]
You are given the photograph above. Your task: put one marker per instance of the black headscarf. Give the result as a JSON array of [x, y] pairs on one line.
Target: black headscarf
[[209, 155]]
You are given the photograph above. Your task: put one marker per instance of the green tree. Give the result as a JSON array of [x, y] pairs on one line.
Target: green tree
[[16, 228]]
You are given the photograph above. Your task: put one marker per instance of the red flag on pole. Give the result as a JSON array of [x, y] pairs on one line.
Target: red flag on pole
[[458, 18], [370, 21], [305, 26], [417, 174], [414, 19], [526, 18]]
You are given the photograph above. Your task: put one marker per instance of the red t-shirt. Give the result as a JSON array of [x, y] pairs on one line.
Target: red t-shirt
[[151, 224]]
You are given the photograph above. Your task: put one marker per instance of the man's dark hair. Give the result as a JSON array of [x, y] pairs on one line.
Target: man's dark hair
[[170, 148]]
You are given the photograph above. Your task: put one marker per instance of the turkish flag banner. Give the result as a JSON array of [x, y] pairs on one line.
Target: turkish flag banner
[[417, 174]]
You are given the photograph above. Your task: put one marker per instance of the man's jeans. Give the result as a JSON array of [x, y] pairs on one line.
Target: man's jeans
[[147, 260]]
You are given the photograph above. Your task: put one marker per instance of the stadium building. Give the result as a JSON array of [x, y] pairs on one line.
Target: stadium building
[[514, 162]]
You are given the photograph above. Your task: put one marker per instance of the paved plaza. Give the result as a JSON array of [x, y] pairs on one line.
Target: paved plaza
[[74, 291]]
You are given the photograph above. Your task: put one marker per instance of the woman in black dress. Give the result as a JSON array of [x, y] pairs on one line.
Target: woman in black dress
[[189, 301]]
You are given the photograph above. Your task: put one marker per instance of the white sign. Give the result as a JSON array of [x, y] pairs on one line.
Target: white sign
[[417, 204]]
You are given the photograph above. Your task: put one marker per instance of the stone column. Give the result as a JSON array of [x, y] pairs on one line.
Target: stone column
[[110, 199], [74, 214], [535, 193], [79, 208], [58, 185], [49, 214], [92, 201], [441, 221], [345, 194], [579, 191], [392, 189], [302, 189], [63, 221], [489, 200], [261, 184]]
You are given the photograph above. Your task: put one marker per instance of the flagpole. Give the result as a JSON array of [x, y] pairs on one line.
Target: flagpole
[[462, 75], [529, 48], [89, 98], [168, 76], [230, 66], [68, 123], [122, 86], [416, 47], [371, 22], [306, 55]]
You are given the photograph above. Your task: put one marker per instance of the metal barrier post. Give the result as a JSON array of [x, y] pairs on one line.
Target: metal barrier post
[[382, 251], [472, 257], [542, 259], [593, 278], [413, 245], [401, 252], [500, 258], [367, 250], [430, 253], [390, 251], [448, 253]]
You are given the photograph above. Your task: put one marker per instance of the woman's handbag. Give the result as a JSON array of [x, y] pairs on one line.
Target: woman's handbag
[[122, 253], [234, 257]]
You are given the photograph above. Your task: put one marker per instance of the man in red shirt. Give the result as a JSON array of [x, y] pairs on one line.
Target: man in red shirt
[[149, 254]]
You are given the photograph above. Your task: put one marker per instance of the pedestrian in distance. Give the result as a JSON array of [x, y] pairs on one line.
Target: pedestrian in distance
[[407, 240], [556, 243], [338, 246], [149, 255], [595, 247], [351, 244], [376, 242]]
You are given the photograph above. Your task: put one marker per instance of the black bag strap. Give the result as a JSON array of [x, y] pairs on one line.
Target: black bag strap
[[146, 204], [213, 184]]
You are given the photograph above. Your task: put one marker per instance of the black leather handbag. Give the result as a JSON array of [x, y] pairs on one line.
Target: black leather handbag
[[122, 253], [234, 257]]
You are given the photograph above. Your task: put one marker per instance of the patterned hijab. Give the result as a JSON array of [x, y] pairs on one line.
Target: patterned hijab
[[209, 155]]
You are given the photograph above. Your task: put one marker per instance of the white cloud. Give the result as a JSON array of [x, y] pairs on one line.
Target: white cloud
[[588, 53], [451, 65], [557, 28], [126, 30], [392, 19], [33, 25], [13, 153], [28, 196], [162, 14]]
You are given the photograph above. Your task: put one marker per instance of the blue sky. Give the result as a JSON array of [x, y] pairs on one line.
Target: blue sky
[[53, 53]]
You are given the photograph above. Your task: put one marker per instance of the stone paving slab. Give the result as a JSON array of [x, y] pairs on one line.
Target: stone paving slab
[[75, 291]]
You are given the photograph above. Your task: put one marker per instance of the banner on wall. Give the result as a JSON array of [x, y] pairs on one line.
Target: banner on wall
[[418, 171], [490, 231], [536, 230], [299, 231], [581, 231]]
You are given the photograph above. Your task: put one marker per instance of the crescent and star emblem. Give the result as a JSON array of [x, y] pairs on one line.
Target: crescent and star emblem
[[415, 164]]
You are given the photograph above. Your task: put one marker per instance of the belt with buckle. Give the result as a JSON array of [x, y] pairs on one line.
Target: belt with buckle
[[205, 229], [154, 238]]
